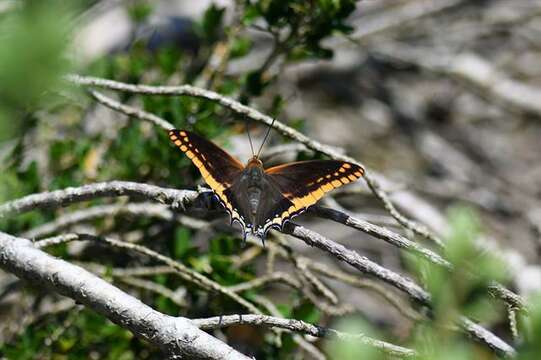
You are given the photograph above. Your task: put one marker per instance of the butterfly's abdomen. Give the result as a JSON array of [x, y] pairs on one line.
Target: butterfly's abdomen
[[251, 183], [254, 194]]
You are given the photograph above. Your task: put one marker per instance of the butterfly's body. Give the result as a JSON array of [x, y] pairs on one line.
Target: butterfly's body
[[260, 199], [251, 185]]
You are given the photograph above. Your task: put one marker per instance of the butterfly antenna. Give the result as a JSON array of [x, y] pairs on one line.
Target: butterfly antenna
[[266, 136], [249, 137]]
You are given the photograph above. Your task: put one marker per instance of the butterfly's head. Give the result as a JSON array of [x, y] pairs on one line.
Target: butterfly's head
[[254, 162]]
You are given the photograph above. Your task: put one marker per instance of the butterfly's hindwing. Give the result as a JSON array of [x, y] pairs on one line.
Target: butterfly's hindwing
[[303, 183], [218, 168]]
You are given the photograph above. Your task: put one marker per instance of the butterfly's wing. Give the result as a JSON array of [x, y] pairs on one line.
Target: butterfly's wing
[[217, 167], [301, 185]]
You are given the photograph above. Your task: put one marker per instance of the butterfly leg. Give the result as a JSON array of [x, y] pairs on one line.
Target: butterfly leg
[[243, 242], [206, 202]]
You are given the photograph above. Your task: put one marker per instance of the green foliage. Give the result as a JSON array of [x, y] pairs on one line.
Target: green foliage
[[464, 289], [32, 57], [530, 348], [461, 292], [309, 22], [88, 335], [140, 10], [33, 41], [353, 350], [240, 47], [211, 24]]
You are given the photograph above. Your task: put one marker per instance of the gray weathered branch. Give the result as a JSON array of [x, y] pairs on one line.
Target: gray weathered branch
[[173, 197], [175, 336], [302, 327], [359, 262]]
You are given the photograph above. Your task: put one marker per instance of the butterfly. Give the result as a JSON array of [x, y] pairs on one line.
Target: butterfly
[[260, 199]]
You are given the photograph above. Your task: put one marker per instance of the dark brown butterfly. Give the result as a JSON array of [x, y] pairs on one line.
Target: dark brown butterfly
[[260, 199]]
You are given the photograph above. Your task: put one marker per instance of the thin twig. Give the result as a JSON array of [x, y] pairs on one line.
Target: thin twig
[[297, 338], [131, 111], [369, 284], [359, 262], [380, 233], [278, 277], [186, 273], [484, 336], [175, 297], [99, 211], [302, 327]]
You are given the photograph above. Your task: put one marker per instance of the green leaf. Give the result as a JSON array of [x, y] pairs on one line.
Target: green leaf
[[255, 83], [354, 349], [212, 23], [240, 47], [308, 312], [140, 10], [182, 242]]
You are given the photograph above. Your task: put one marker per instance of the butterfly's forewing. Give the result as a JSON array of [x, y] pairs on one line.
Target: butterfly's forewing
[[218, 168], [303, 183]]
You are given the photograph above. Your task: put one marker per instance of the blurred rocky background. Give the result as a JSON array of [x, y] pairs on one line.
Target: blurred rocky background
[[440, 99]]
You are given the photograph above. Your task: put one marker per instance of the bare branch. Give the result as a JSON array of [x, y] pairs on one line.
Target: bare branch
[[380, 233], [175, 336], [411, 225], [173, 197], [159, 289], [302, 327], [355, 281], [484, 336], [359, 262], [89, 214], [131, 111]]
